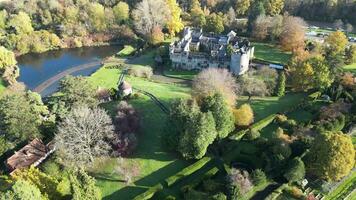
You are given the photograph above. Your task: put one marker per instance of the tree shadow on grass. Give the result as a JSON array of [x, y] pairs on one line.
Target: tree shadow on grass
[[128, 192]]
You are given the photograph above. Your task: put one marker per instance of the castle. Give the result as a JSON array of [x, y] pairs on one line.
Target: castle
[[197, 50]]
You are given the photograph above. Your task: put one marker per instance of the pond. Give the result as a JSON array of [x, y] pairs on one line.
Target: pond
[[37, 68]]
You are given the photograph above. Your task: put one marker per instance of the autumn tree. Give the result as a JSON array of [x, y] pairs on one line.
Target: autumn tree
[[210, 81], [260, 27], [331, 157], [197, 14], [8, 66], [292, 36], [334, 48], [84, 135], [274, 7], [175, 23], [156, 36], [149, 14], [221, 111], [243, 115], [242, 6], [121, 12], [20, 23], [96, 15], [214, 23]]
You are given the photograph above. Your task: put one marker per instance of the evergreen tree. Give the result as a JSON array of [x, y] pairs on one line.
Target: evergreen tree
[[281, 87]]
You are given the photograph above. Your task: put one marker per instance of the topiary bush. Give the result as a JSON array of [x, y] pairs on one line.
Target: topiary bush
[[244, 115], [258, 177]]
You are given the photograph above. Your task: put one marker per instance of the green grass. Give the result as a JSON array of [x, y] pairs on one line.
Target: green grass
[[270, 53], [2, 86], [155, 163], [343, 188], [183, 74], [350, 68], [126, 51], [264, 106]]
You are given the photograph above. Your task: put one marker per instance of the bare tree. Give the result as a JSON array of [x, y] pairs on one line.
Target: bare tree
[[84, 135], [349, 28], [213, 80], [128, 170], [252, 86], [149, 14], [240, 179], [260, 27]]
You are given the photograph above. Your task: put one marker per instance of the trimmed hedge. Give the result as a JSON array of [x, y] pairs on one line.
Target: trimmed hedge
[[187, 171], [255, 127], [198, 180], [149, 193]]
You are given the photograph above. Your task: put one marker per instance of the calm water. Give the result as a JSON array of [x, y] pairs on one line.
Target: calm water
[[37, 68]]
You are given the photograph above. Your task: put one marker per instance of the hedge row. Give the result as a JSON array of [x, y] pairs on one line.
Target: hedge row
[[276, 193], [255, 127], [149, 193], [201, 178], [187, 171]]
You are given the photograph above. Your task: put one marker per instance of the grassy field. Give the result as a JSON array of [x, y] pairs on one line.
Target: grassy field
[[155, 163], [350, 68], [270, 53], [343, 189]]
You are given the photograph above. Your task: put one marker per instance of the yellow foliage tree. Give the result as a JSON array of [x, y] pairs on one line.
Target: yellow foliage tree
[[336, 42], [274, 7], [175, 23], [243, 115]]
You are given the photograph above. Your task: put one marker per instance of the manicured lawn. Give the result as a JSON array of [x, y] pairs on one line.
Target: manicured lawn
[[126, 51], [181, 74], [155, 163], [270, 53], [350, 68], [264, 106]]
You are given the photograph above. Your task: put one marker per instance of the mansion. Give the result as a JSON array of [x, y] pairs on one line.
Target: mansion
[[197, 50]]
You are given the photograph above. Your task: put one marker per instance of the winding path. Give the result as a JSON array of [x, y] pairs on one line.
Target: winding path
[[40, 88]]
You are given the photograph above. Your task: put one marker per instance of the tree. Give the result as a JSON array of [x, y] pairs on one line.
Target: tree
[[22, 190], [349, 28], [256, 10], [331, 157], [242, 6], [281, 87], [45, 183], [214, 23], [149, 14], [84, 135], [77, 91], [199, 134], [175, 23], [243, 115], [20, 23], [197, 14], [295, 171], [156, 36], [334, 48], [96, 14], [223, 116], [230, 18], [121, 12], [338, 24], [8, 67], [83, 186], [210, 81], [252, 86], [292, 36], [18, 119], [322, 78], [350, 54], [276, 28], [274, 7], [260, 27], [127, 119]]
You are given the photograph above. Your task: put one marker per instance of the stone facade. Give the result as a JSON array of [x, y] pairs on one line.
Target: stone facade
[[197, 50]]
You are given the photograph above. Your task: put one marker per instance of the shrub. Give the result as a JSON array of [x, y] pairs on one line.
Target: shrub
[[281, 118], [243, 115], [295, 171], [241, 180], [252, 134], [281, 86], [336, 124], [219, 196], [51, 168], [294, 192], [211, 186], [258, 177], [140, 71]]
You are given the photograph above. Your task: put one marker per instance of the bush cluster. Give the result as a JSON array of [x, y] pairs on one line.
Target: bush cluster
[[140, 71]]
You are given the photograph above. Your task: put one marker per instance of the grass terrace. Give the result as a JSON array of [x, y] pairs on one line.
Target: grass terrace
[[182, 74], [126, 51]]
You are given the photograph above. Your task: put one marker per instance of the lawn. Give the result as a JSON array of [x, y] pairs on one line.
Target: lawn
[[270, 53], [126, 51], [155, 163], [182, 74], [350, 68]]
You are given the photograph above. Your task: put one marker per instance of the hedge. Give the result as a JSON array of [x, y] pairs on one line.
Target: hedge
[[187, 171], [255, 127], [149, 193], [276, 193], [199, 179]]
